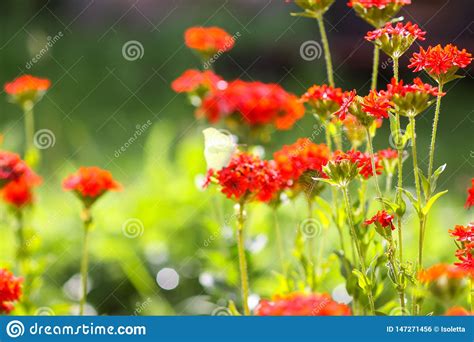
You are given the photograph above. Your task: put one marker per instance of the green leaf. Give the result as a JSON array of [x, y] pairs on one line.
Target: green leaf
[[435, 176], [425, 184], [362, 281], [427, 207], [412, 199], [327, 181]]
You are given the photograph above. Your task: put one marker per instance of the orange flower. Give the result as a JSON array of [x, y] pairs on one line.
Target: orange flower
[[458, 311], [208, 40], [254, 103], [193, 80], [89, 183], [301, 157], [380, 4], [10, 290], [441, 63], [440, 271], [18, 193], [324, 99], [26, 89], [299, 304]]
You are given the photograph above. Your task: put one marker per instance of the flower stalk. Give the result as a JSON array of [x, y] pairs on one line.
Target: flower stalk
[[244, 279], [327, 51], [350, 218], [375, 68], [87, 222]]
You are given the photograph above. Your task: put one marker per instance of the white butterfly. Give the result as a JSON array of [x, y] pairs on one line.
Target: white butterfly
[[219, 146]]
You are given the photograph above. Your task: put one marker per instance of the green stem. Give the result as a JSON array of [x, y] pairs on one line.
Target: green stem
[[350, 218], [244, 281], [87, 220], [433, 135], [375, 68], [418, 189], [395, 68], [370, 148], [310, 240], [327, 51]]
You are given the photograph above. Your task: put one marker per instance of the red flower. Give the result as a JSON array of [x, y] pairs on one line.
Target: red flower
[[193, 80], [440, 272], [248, 178], [347, 100], [11, 167], [255, 103], [19, 193], [10, 290], [27, 83], [383, 219], [362, 160], [89, 183], [465, 237], [376, 104], [299, 304], [440, 61], [387, 154], [470, 195], [458, 311], [463, 234], [398, 88], [303, 156], [399, 31], [27, 89], [208, 40], [324, 99], [380, 4]]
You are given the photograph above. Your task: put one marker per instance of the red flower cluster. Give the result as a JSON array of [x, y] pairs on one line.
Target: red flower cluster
[[470, 195], [10, 290], [27, 83], [465, 254], [19, 192], [399, 89], [440, 272], [399, 31], [362, 160], [193, 80], [380, 4], [257, 104], [439, 61], [387, 154], [324, 99], [299, 304], [208, 40], [303, 156], [375, 105], [248, 178], [11, 167], [89, 183], [383, 219]]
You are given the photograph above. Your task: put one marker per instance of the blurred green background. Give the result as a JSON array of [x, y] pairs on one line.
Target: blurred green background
[[99, 98]]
